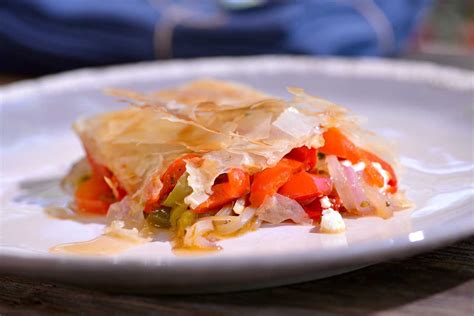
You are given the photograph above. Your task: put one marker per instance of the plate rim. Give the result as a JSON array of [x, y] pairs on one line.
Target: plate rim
[[441, 76]]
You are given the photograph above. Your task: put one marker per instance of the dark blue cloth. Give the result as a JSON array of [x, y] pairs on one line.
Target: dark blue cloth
[[52, 35]]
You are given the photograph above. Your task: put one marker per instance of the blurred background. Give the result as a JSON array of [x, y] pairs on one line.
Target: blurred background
[[45, 36]]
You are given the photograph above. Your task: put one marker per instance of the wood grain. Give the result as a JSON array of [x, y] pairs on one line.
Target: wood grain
[[5, 79], [436, 283]]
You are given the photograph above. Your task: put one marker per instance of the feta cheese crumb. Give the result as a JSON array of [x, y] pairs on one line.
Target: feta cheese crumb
[[358, 166], [325, 203], [346, 163], [385, 175], [332, 222]]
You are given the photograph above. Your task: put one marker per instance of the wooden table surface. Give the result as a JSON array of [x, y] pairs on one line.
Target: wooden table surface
[[440, 282], [436, 283]]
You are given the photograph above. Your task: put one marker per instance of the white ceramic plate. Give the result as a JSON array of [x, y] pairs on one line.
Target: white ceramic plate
[[427, 110]]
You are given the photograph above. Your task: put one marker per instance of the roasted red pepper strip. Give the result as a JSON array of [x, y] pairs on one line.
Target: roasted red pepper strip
[[238, 184], [314, 210], [308, 156], [267, 182], [94, 196], [168, 179], [393, 182], [101, 171], [339, 145], [304, 185]]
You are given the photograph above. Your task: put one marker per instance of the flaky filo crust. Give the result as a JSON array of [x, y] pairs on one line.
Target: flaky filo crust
[[230, 125]]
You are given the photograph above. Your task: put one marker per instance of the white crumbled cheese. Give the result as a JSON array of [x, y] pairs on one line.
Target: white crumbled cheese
[[332, 222], [385, 175], [358, 166], [346, 163], [325, 203]]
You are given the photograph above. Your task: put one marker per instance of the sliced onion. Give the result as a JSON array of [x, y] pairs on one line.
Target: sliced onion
[[399, 201], [341, 183], [198, 235], [381, 202], [225, 211], [204, 243], [359, 197], [127, 211], [356, 194], [227, 226], [247, 214], [195, 235], [236, 223], [279, 208]]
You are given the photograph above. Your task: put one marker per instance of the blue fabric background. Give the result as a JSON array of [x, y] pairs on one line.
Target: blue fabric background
[[52, 35]]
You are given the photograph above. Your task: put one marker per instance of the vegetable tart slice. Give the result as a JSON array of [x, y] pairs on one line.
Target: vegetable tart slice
[[213, 159]]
